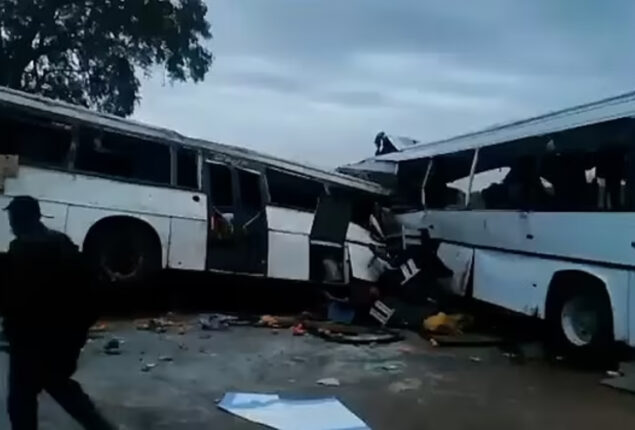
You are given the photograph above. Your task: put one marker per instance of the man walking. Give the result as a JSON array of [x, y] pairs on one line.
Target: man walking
[[46, 305]]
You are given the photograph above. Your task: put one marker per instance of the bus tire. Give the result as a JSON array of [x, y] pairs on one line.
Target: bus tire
[[123, 251], [579, 318]]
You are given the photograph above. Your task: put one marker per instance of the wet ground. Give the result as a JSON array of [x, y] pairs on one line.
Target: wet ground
[[404, 385]]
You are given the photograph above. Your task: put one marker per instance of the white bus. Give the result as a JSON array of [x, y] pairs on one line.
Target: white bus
[[137, 198], [536, 216]]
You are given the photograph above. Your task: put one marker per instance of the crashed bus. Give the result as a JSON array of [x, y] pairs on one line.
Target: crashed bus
[[535, 216], [137, 198]]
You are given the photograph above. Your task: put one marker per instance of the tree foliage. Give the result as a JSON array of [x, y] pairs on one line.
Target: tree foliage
[[91, 52]]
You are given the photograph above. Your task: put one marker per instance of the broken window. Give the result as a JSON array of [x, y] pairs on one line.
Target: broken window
[[515, 185], [187, 168], [448, 180], [221, 185], [293, 191], [250, 191], [36, 140], [411, 175], [123, 156]]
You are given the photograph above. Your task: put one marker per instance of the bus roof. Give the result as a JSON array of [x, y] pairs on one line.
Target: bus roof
[[587, 114], [73, 114]]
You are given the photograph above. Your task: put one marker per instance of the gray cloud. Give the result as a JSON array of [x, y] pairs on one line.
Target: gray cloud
[[314, 80]]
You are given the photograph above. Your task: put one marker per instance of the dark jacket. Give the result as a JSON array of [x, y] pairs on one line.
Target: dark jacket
[[47, 298]]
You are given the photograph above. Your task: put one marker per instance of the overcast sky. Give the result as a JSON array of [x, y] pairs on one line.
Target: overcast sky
[[315, 80]]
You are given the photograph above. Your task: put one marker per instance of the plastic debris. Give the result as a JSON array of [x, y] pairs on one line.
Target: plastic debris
[[166, 358], [408, 384], [445, 324], [148, 367], [329, 382], [274, 412], [269, 321], [113, 347], [298, 330], [475, 359]]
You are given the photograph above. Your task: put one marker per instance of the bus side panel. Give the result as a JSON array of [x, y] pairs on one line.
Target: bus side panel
[[81, 219], [603, 237], [631, 307], [288, 255], [188, 244], [459, 260], [54, 218], [94, 191], [521, 283]]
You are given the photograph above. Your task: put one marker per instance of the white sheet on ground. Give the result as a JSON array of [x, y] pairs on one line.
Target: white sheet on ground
[[285, 414]]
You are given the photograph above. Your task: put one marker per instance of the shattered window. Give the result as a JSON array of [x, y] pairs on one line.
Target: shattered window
[[221, 185], [516, 185], [123, 156], [448, 183], [250, 194], [591, 182], [35, 140], [293, 191], [186, 168]]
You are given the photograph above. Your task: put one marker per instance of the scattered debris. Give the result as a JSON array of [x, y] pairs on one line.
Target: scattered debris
[[299, 359], [166, 358], [157, 325], [272, 411], [408, 384], [268, 321], [434, 342], [466, 339], [113, 347], [298, 330], [99, 328], [329, 382], [392, 366], [475, 359], [216, 322], [622, 379], [342, 333], [442, 323], [148, 367]]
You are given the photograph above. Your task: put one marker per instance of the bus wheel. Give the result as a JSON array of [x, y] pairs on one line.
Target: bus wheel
[[124, 252], [580, 320]]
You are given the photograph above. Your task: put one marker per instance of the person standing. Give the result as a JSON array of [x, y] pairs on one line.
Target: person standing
[[46, 305]]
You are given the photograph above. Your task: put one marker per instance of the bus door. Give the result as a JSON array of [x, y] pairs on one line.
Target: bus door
[[237, 237], [328, 253]]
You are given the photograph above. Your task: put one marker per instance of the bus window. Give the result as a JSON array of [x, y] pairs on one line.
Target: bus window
[[221, 185], [122, 156], [516, 185], [250, 191], [448, 181], [293, 191], [36, 141], [186, 168]]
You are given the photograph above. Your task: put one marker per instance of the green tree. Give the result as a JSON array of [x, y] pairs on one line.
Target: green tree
[[91, 52]]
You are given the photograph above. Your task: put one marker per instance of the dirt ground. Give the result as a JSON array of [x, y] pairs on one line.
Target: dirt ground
[[404, 385]]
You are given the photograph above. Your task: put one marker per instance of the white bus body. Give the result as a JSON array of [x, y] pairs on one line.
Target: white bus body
[[530, 257], [166, 193]]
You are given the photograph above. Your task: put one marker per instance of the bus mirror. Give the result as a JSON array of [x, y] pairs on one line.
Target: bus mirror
[[8, 168]]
